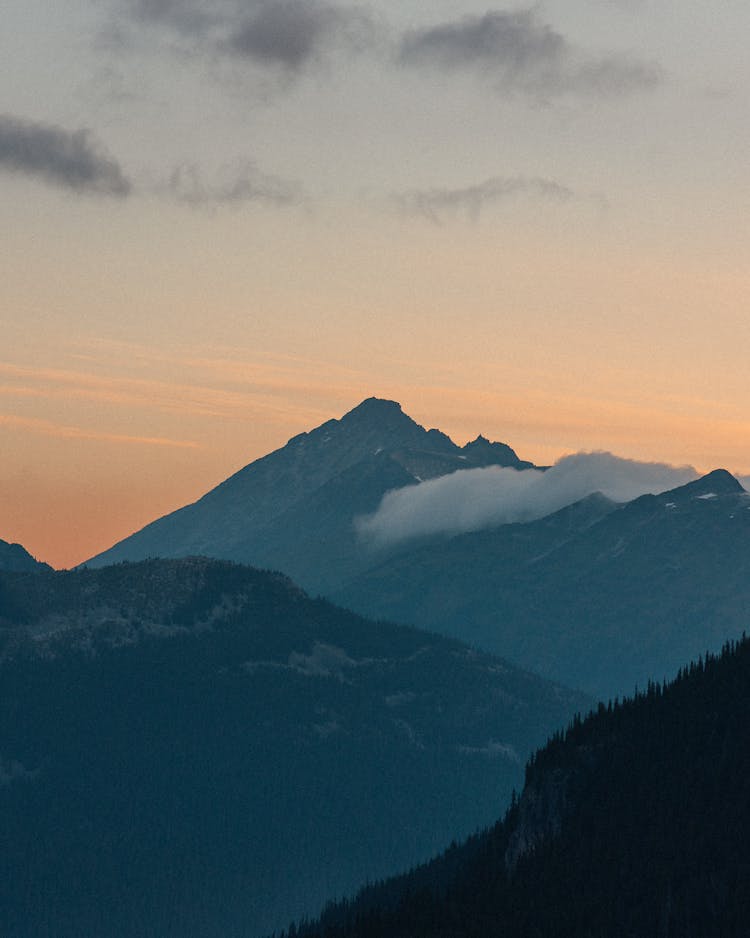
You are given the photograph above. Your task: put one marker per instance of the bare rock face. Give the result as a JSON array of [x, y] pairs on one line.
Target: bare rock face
[[551, 793], [540, 813]]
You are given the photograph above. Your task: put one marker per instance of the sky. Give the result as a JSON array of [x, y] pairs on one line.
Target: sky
[[226, 222]]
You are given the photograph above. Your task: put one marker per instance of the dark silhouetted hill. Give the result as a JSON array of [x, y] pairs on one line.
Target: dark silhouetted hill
[[16, 558], [632, 824]]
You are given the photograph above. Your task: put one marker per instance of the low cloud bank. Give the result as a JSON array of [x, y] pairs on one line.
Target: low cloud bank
[[472, 499]]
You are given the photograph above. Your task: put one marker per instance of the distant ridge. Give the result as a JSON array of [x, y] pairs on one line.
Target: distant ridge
[[16, 558], [718, 482], [597, 596]]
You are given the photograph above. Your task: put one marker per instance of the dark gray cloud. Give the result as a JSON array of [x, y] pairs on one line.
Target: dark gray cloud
[[291, 33], [181, 14], [435, 204], [520, 53], [72, 159], [287, 34], [515, 49], [234, 186]]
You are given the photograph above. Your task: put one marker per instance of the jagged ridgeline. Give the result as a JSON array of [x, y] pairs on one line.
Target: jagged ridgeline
[[197, 749], [632, 823], [294, 509], [597, 595]]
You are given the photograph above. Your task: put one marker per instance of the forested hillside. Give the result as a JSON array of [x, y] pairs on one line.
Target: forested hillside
[[632, 824], [196, 749]]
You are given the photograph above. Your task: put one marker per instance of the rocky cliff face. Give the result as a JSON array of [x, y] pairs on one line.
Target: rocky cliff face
[[540, 813], [548, 798]]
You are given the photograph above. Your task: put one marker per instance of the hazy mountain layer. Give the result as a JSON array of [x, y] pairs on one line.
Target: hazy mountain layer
[[594, 597], [294, 509], [193, 748], [633, 824]]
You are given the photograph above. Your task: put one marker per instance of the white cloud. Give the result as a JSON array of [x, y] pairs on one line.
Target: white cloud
[[472, 499]]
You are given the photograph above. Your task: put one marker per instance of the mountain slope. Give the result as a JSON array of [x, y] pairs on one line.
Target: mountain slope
[[294, 508], [632, 824], [596, 598], [193, 748], [16, 558]]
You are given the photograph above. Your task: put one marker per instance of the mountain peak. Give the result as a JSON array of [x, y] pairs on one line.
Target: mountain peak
[[482, 452], [294, 508], [718, 482], [375, 408]]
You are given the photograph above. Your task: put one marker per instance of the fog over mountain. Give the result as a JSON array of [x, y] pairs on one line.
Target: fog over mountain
[[472, 499], [399, 522], [598, 595], [322, 507]]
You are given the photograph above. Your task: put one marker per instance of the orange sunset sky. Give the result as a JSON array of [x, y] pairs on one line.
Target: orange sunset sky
[[529, 222]]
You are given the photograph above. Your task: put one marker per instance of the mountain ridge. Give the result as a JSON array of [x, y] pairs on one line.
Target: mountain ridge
[[15, 557], [213, 752], [598, 596], [337, 471], [591, 596]]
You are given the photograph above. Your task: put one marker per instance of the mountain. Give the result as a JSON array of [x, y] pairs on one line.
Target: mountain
[[294, 509], [17, 558], [194, 748], [597, 596], [632, 824]]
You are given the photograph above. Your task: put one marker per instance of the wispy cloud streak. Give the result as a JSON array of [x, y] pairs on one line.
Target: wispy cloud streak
[[434, 204], [235, 186], [50, 428]]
